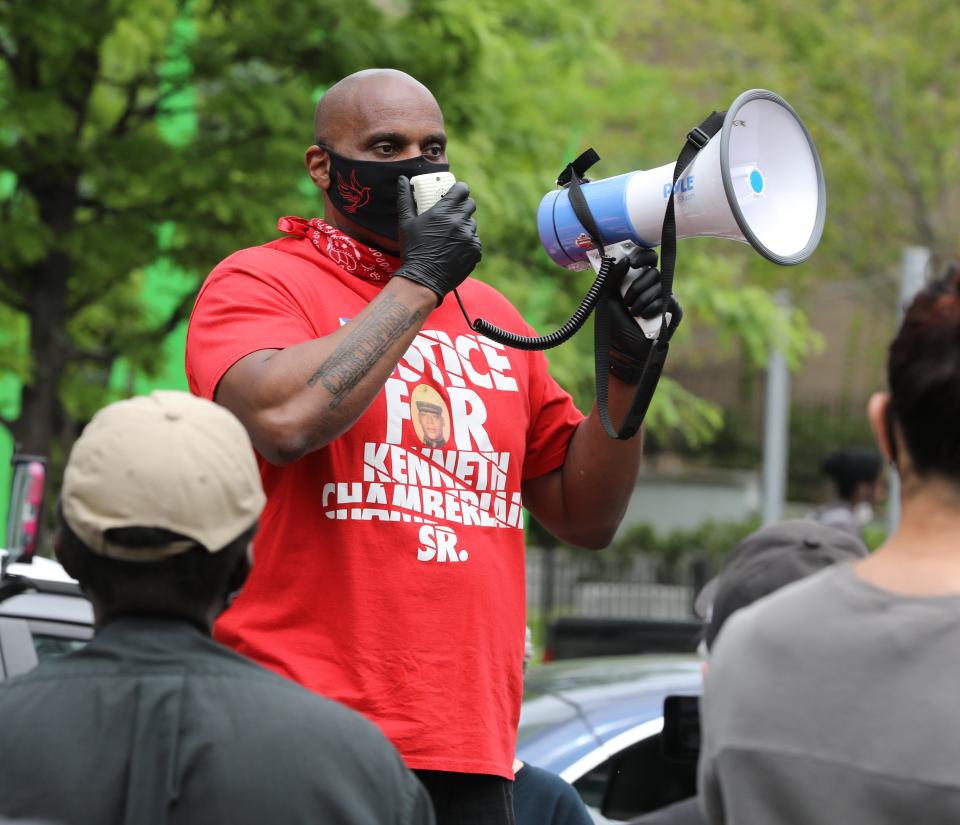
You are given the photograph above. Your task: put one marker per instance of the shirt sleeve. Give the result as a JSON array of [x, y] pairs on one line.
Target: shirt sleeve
[[553, 419], [708, 778], [711, 799], [570, 808], [420, 809], [242, 307]]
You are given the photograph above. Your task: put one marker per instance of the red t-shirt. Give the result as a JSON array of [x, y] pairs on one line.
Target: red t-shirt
[[389, 565]]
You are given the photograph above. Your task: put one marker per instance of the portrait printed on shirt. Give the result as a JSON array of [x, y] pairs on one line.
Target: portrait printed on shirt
[[433, 460], [431, 418]]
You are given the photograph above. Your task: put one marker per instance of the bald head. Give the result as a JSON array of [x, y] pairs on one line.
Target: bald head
[[374, 115], [360, 99]]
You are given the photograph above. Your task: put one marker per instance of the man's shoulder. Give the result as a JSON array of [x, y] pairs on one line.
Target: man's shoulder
[[324, 733], [303, 714], [789, 603], [790, 613], [266, 257], [288, 710], [538, 791]]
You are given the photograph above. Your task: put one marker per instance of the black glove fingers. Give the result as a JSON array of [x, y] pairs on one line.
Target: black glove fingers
[[646, 278], [406, 208], [641, 256], [652, 310], [642, 303], [457, 193], [439, 247], [673, 307]]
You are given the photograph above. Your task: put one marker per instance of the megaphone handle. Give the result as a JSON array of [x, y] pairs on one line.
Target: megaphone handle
[[650, 326], [649, 378], [696, 140]]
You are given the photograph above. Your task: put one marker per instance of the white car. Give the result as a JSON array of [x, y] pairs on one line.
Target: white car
[[599, 724], [42, 613]]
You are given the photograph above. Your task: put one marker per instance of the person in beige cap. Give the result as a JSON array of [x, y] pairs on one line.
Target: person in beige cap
[[154, 721]]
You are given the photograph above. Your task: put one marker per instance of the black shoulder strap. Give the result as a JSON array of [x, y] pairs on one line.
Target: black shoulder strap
[[696, 140], [572, 177]]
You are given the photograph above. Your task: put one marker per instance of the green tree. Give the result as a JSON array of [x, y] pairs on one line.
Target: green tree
[[142, 136], [107, 181], [874, 81]]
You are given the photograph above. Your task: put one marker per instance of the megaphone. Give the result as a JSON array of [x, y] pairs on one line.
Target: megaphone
[[758, 181], [755, 177]]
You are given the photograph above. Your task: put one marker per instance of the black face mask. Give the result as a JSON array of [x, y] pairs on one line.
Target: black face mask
[[365, 191]]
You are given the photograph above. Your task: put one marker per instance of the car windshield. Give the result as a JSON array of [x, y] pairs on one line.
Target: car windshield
[[574, 674], [544, 712]]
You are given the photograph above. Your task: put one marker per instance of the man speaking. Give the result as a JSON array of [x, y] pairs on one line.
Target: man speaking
[[390, 568]]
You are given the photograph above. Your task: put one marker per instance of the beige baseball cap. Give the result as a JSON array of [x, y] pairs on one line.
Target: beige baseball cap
[[168, 460]]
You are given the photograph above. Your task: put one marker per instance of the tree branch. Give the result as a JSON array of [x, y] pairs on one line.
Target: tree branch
[[133, 89], [178, 314], [132, 113], [111, 350], [921, 217], [157, 210], [104, 356], [12, 297]]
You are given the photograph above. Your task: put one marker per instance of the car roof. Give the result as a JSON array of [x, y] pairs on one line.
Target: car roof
[[52, 607], [41, 571], [44, 591], [574, 708]]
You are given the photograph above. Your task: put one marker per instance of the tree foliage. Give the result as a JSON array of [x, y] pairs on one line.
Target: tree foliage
[[874, 81], [145, 136]]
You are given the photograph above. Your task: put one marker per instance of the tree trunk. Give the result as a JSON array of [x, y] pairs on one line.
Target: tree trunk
[[34, 429]]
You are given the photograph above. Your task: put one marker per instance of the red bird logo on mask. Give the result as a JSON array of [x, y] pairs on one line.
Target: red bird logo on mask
[[353, 193]]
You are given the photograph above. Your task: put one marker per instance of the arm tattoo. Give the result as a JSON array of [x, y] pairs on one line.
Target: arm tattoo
[[363, 348]]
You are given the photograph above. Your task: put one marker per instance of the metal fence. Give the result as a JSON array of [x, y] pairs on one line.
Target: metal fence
[[563, 581]]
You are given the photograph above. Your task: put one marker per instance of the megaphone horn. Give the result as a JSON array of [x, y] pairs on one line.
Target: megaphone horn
[[758, 181]]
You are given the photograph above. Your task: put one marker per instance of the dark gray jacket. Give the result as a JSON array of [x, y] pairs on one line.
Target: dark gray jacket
[[154, 722], [686, 812]]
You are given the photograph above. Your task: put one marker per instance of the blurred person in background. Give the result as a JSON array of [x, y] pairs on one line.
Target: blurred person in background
[[765, 561], [390, 573], [835, 701], [855, 476], [153, 721], [539, 796]]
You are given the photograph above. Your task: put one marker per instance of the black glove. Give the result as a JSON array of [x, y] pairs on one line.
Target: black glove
[[629, 347], [439, 248]]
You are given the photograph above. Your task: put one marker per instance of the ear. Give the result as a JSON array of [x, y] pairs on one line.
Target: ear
[[59, 555], [317, 161], [878, 412], [241, 571]]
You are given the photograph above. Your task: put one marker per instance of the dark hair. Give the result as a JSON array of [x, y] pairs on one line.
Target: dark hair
[[848, 468], [186, 584], [923, 371]]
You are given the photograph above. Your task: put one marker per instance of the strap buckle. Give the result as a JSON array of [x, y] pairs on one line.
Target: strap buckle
[[698, 137], [579, 166]]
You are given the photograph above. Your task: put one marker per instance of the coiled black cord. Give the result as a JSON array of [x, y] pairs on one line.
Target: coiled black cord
[[554, 339]]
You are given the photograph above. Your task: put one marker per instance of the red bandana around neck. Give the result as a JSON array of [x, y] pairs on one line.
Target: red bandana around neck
[[346, 252]]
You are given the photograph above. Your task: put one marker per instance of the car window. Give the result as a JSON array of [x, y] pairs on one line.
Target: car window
[[592, 786], [636, 781], [51, 638], [47, 646], [541, 714]]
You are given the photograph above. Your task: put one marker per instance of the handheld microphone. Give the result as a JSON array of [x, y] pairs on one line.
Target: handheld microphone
[[429, 188]]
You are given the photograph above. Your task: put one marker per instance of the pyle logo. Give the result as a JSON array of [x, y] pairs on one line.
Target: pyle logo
[[439, 543]]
